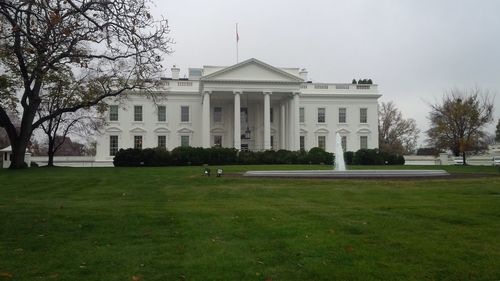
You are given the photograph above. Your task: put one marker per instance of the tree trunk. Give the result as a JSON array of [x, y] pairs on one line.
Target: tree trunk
[[18, 153], [463, 158], [50, 153]]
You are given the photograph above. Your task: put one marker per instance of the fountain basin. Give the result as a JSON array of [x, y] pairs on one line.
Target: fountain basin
[[347, 174]]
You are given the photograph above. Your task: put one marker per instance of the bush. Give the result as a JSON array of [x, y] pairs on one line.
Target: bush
[[186, 155], [33, 164], [154, 157], [368, 157], [128, 158], [183, 156], [375, 157], [319, 156], [220, 156], [348, 157], [247, 158]]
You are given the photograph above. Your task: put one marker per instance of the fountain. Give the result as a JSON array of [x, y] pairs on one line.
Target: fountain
[[339, 154], [341, 172]]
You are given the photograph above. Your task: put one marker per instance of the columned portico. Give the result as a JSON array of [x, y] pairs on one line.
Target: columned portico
[[206, 119], [237, 120]]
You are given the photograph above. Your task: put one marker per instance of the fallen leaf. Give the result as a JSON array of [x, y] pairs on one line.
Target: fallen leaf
[[348, 248], [137, 278], [6, 274]]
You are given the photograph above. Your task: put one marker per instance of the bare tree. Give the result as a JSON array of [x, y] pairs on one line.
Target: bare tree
[[113, 46], [497, 132], [58, 92], [396, 134], [458, 121], [60, 128]]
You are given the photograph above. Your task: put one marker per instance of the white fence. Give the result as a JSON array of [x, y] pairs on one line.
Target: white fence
[[444, 159], [72, 161]]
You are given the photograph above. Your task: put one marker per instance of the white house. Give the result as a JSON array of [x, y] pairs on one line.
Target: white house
[[249, 106]]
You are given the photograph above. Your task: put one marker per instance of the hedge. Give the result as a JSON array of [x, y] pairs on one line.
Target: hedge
[[376, 157], [193, 156]]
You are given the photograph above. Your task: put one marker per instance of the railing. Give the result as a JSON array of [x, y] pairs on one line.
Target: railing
[[184, 84], [363, 87], [320, 86]]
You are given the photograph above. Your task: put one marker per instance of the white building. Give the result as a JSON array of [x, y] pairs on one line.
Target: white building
[[250, 105]]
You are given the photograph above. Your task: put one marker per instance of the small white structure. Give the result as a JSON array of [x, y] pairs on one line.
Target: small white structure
[[247, 106], [6, 155]]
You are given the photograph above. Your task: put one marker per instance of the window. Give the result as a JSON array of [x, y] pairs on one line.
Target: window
[[138, 142], [184, 140], [113, 145], [272, 142], [218, 141], [162, 142], [138, 113], [113, 113], [342, 115], [217, 114], [363, 115], [363, 142], [343, 141], [162, 113], [302, 142], [302, 117], [271, 115], [321, 115], [184, 113], [321, 141]]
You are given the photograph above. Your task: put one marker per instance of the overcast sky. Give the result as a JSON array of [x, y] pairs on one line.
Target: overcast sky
[[414, 50]]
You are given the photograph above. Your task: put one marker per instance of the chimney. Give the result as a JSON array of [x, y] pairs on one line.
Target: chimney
[[303, 74], [175, 72]]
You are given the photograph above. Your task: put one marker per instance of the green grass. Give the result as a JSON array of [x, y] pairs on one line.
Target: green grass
[[174, 224]]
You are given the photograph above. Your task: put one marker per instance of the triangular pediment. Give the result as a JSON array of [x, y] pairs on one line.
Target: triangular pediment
[[252, 70]]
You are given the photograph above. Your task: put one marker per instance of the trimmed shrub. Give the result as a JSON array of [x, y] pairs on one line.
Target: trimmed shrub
[[319, 156], [155, 157], [247, 158], [375, 157], [184, 156], [348, 157], [128, 158], [368, 157], [220, 156]]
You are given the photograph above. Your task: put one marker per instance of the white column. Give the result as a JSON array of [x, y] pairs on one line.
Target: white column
[[290, 122], [267, 120], [295, 125], [237, 120], [282, 126], [206, 119]]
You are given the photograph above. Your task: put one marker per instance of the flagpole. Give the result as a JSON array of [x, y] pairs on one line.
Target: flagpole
[[237, 40]]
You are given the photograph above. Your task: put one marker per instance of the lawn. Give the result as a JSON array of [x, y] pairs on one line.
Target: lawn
[[174, 224]]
